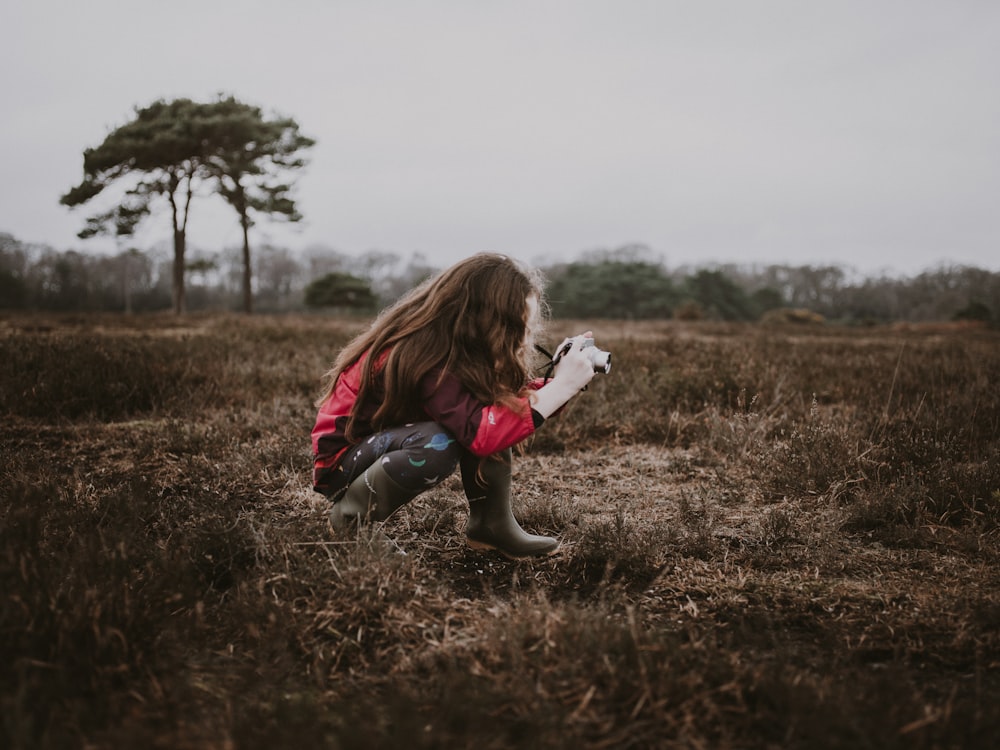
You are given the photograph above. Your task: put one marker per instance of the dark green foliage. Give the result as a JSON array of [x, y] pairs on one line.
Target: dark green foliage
[[975, 310], [765, 299], [612, 289], [120, 221], [719, 296], [340, 290]]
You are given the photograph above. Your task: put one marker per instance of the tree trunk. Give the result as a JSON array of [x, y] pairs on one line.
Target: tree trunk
[[127, 281], [180, 236], [178, 290], [247, 280]]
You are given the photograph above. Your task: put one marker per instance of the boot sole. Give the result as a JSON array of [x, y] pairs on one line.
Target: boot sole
[[485, 547]]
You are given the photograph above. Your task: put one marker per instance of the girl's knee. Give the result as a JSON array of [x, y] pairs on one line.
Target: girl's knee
[[429, 456]]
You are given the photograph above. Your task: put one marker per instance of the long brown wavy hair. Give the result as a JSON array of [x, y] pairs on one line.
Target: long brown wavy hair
[[472, 320]]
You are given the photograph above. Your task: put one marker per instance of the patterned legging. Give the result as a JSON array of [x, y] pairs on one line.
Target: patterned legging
[[416, 457]]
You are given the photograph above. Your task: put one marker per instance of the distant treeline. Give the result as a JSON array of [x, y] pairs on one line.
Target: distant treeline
[[626, 283]]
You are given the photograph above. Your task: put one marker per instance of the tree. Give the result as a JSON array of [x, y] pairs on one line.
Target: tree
[[66, 282], [417, 270], [340, 290], [160, 152], [723, 298], [280, 274], [134, 269], [248, 156], [379, 268], [13, 268], [975, 310], [764, 299], [612, 289]]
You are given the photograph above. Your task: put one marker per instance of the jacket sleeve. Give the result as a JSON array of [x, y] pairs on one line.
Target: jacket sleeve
[[481, 428]]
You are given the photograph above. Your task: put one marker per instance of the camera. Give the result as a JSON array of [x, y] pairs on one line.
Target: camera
[[600, 359]]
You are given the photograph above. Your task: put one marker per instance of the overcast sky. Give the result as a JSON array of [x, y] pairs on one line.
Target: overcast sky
[[859, 132]]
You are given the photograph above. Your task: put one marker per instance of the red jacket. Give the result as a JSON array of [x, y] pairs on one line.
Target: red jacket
[[482, 429]]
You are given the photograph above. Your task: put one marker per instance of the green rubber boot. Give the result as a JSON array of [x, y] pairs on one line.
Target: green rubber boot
[[373, 496], [491, 522]]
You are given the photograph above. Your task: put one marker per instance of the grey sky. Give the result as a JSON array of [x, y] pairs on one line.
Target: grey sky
[[863, 133]]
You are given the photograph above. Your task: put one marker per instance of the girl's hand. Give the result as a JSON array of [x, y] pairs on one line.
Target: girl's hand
[[572, 374], [574, 368]]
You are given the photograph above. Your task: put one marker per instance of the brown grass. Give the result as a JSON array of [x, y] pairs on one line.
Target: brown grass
[[772, 538]]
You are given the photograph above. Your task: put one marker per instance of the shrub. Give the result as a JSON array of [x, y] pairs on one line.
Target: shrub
[[816, 456], [341, 291]]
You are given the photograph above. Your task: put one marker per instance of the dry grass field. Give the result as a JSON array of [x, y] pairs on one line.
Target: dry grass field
[[773, 538]]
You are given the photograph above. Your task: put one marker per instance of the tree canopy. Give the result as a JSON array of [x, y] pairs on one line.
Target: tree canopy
[[719, 296], [340, 290], [612, 289]]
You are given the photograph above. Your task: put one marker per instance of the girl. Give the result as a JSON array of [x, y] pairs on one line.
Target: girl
[[441, 379]]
